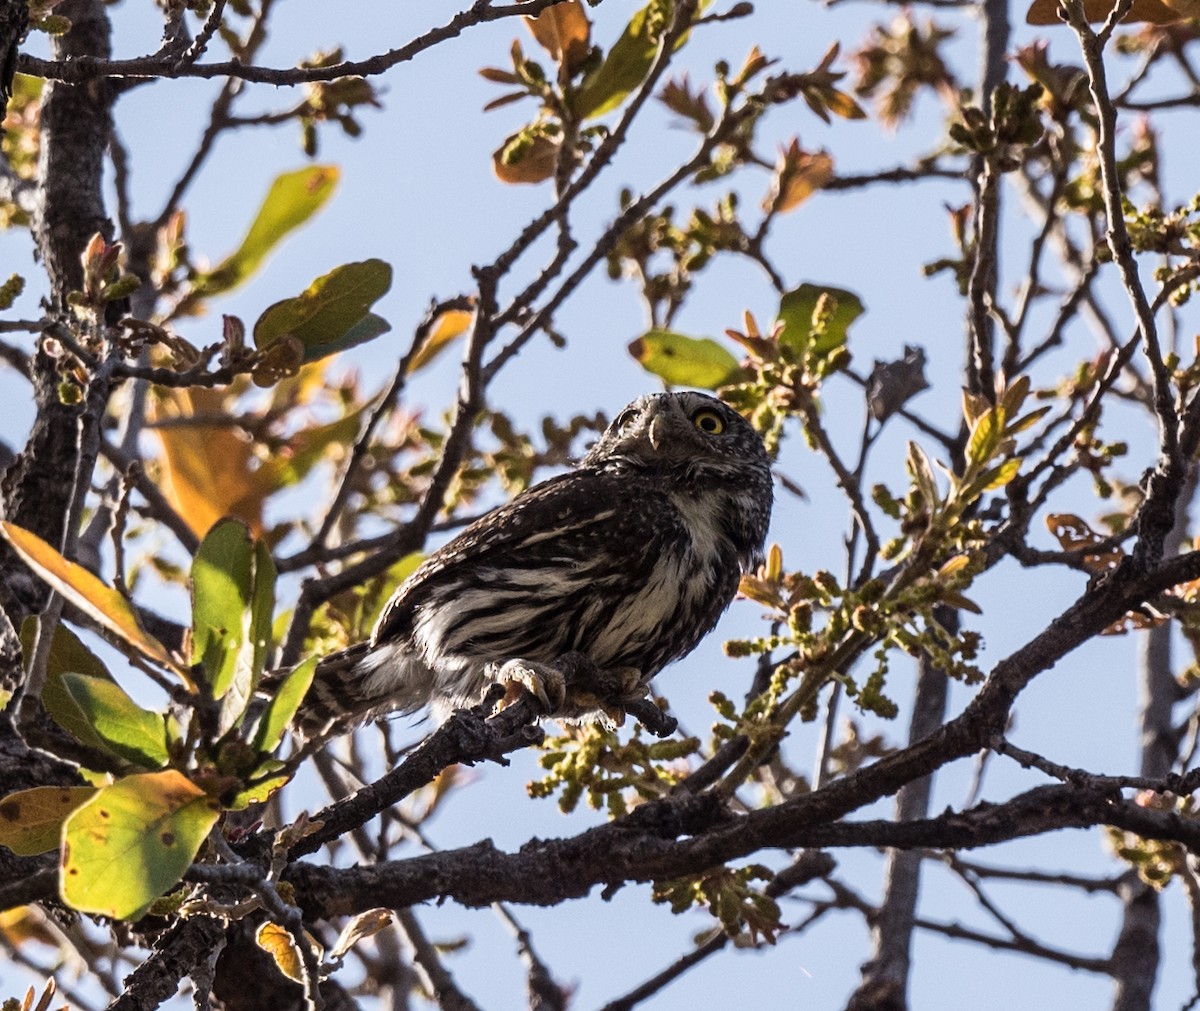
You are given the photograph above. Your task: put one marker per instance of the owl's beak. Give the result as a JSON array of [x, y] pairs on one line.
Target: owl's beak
[[655, 433]]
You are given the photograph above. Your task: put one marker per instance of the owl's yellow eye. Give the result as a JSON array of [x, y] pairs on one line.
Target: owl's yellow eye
[[709, 422]]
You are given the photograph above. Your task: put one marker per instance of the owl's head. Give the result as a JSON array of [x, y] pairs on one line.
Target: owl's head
[[684, 435], [696, 447]]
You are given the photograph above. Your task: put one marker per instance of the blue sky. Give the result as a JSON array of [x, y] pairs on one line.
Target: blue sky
[[417, 190]]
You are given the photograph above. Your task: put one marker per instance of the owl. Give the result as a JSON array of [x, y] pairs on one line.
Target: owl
[[583, 587]]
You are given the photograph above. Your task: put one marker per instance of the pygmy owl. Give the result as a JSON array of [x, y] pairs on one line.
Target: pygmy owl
[[615, 569]]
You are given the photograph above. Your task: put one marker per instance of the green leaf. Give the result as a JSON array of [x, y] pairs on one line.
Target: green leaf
[[259, 791], [999, 476], [627, 63], [222, 583], [332, 313], [796, 310], [1028, 421], [985, 436], [262, 610], [293, 198], [67, 651], [31, 821], [922, 472], [67, 654], [132, 842], [684, 361], [283, 706], [85, 591], [124, 727], [233, 600]]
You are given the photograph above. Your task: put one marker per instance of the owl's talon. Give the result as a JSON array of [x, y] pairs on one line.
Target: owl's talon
[[543, 681]]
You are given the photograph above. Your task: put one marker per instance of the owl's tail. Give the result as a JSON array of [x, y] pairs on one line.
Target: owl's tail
[[335, 698], [354, 685]]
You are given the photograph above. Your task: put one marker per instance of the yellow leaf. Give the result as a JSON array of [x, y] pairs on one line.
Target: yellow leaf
[[132, 842], [450, 324], [953, 565], [85, 591], [278, 942], [774, 564], [1000, 475], [31, 820]]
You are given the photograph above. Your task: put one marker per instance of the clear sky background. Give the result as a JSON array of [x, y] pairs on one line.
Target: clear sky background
[[417, 190]]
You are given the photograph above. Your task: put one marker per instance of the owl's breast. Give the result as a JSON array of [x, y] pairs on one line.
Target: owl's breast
[[689, 576]]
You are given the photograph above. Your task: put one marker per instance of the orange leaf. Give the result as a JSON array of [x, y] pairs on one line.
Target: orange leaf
[[450, 324], [85, 591], [798, 176], [207, 465]]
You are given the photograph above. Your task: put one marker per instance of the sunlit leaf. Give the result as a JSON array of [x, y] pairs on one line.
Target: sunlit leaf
[[796, 312], [278, 942], [684, 361], [451, 324], [222, 581], [208, 477], [1001, 474], [627, 63], [985, 436], [953, 565], [126, 729], [85, 591], [1028, 421], [283, 705], [364, 925], [293, 198], [31, 820], [332, 314], [132, 842], [843, 105], [257, 792]]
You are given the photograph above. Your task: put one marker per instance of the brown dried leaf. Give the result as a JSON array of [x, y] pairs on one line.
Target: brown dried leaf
[[1155, 12], [798, 175], [1073, 534], [564, 32], [521, 160]]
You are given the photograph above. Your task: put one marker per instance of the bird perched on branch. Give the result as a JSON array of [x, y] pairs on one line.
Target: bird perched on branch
[[583, 587]]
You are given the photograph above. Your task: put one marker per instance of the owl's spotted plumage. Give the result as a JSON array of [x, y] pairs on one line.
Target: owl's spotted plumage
[[629, 559]]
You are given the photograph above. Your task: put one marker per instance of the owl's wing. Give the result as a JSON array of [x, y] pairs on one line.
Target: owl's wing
[[570, 516]]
